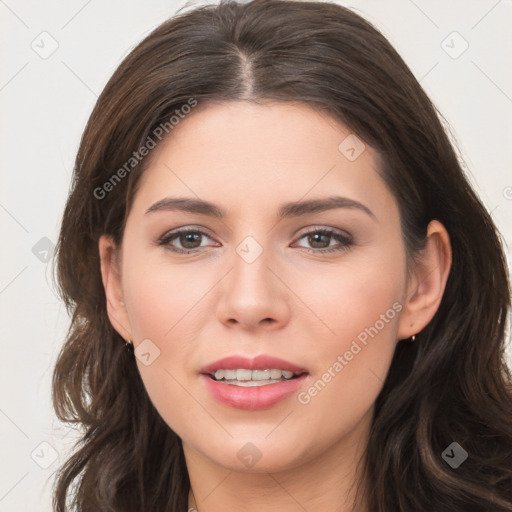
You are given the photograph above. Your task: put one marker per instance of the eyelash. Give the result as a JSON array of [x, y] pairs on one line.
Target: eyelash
[[345, 240]]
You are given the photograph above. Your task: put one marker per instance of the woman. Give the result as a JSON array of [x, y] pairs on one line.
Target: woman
[[284, 292]]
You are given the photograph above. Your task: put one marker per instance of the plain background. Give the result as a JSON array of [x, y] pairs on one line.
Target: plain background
[[45, 101]]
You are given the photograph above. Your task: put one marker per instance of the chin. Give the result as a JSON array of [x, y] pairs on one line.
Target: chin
[[256, 457]]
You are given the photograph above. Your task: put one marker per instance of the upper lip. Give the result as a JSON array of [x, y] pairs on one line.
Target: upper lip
[[261, 362]]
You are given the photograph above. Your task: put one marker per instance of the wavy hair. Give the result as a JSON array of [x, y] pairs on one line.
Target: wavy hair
[[451, 385]]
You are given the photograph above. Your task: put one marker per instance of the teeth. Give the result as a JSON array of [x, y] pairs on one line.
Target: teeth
[[243, 375], [261, 375], [275, 374], [229, 374]]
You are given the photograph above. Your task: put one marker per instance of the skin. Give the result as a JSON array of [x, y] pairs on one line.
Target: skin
[[305, 307]]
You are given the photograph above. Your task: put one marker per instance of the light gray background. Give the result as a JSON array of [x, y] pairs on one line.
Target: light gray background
[[45, 103]]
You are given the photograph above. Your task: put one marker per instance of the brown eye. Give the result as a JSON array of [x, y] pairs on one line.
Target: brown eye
[[320, 240], [187, 240]]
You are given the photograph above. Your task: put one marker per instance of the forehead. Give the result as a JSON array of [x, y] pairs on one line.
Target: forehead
[[260, 154]]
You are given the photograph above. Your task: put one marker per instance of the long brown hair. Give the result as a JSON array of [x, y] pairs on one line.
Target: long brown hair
[[451, 385]]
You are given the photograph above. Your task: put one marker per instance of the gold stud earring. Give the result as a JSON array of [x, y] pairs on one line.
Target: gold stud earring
[[413, 337]]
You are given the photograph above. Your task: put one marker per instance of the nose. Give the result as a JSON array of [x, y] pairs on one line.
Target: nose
[[254, 295]]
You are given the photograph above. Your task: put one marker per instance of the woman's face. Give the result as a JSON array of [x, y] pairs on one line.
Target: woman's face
[[263, 280]]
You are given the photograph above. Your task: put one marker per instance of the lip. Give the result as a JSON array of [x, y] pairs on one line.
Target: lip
[[253, 398], [261, 362]]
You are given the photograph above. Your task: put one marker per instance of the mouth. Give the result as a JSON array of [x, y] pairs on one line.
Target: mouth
[[244, 377], [258, 371], [253, 384]]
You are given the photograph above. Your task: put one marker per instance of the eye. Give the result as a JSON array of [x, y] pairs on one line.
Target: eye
[[320, 239], [189, 239]]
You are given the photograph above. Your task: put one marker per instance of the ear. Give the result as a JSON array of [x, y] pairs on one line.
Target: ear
[[427, 282], [111, 277]]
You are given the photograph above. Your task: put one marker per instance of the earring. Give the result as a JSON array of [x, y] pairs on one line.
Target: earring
[[413, 337], [129, 347]]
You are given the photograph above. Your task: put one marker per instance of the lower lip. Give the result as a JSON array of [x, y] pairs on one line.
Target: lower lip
[[253, 398]]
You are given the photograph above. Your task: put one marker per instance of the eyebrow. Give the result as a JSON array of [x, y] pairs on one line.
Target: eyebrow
[[286, 210]]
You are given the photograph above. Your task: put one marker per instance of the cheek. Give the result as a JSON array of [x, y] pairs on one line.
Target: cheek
[[161, 297], [359, 307], [166, 305], [346, 299]]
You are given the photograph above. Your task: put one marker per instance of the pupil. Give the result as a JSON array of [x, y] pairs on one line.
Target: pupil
[[315, 239], [188, 239]]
